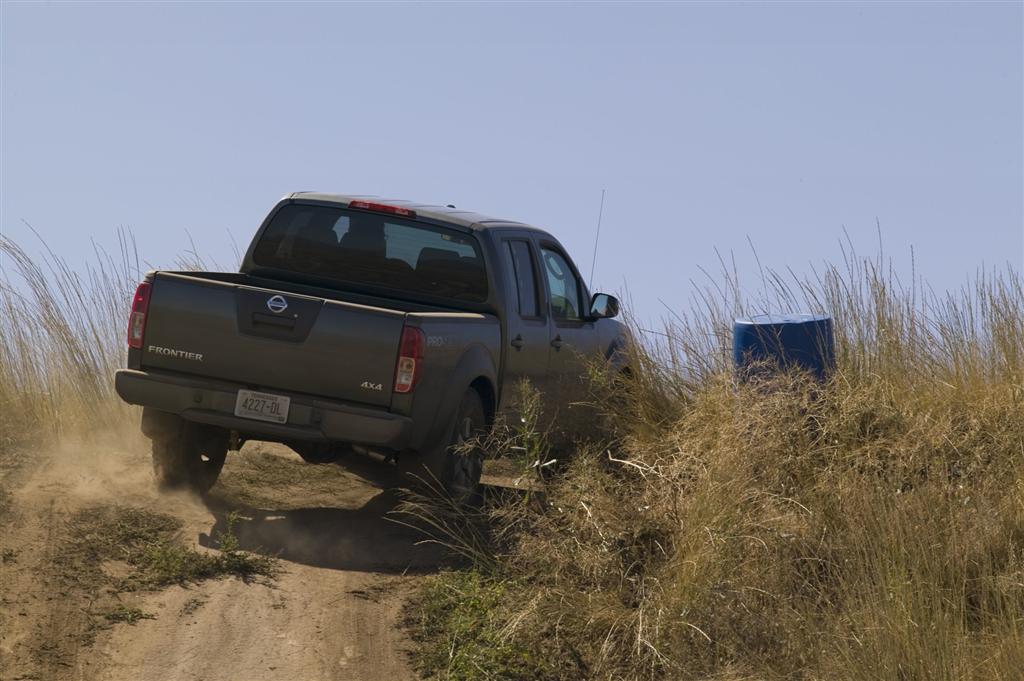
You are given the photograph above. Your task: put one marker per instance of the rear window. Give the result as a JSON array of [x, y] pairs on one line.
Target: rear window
[[374, 250]]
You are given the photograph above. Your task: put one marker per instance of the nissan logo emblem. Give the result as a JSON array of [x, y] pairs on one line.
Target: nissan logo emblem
[[277, 304]]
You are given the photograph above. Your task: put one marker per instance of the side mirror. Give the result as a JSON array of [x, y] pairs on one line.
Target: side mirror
[[604, 306]]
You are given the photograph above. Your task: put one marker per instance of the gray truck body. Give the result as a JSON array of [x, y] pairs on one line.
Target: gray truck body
[[332, 349]]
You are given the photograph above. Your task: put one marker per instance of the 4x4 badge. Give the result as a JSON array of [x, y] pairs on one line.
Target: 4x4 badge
[[277, 304]]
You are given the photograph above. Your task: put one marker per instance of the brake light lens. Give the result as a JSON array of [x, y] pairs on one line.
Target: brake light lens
[[383, 208], [410, 356], [137, 319]]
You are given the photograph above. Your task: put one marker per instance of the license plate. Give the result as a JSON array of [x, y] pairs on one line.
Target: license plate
[[262, 406]]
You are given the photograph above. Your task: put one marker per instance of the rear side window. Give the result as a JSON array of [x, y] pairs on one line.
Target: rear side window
[[374, 251], [524, 274]]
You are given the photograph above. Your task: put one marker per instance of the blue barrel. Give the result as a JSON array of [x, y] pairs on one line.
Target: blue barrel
[[788, 341]]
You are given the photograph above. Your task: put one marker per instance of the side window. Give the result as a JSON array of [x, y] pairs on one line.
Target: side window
[[565, 290], [523, 273]]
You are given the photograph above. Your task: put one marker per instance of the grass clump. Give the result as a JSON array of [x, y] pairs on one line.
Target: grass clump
[[168, 562], [871, 527], [459, 620], [127, 615], [149, 544]]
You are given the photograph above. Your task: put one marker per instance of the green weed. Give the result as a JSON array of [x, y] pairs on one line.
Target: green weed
[[459, 620], [127, 615], [149, 543]]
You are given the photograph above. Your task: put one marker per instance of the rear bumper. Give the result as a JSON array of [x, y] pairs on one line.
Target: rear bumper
[[309, 418]]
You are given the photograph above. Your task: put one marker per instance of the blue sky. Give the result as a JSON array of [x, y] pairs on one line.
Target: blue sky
[[707, 124]]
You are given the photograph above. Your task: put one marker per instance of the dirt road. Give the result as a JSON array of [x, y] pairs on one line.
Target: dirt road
[[333, 610]]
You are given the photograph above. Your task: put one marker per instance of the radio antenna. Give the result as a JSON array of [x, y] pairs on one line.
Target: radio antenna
[[600, 213]]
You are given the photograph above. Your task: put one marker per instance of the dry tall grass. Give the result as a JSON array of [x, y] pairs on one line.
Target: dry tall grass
[[870, 528], [62, 335]]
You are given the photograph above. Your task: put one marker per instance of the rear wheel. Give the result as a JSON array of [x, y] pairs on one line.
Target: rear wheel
[[189, 456], [455, 466]]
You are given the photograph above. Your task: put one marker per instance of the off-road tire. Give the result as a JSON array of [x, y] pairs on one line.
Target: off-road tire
[[189, 456], [448, 468]]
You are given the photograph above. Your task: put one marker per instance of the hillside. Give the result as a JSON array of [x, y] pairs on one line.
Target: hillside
[[871, 527], [868, 527]]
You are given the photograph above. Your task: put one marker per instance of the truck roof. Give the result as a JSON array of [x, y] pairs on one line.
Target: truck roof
[[453, 216]]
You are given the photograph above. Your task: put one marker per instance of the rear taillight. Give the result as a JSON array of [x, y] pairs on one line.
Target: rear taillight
[[410, 356], [137, 320]]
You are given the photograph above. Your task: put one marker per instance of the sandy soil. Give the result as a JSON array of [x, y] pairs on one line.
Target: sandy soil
[[333, 612]]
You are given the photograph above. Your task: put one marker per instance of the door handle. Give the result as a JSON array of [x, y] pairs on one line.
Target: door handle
[[556, 342], [517, 342]]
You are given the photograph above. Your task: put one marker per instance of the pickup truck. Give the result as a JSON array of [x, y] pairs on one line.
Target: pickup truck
[[357, 323]]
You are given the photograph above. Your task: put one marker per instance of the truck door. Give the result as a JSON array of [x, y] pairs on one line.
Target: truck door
[[573, 339], [527, 338]]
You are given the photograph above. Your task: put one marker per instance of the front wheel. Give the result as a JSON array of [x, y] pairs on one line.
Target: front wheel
[[457, 464], [189, 456]]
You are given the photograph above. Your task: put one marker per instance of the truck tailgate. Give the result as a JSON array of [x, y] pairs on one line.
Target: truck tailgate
[[270, 339]]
